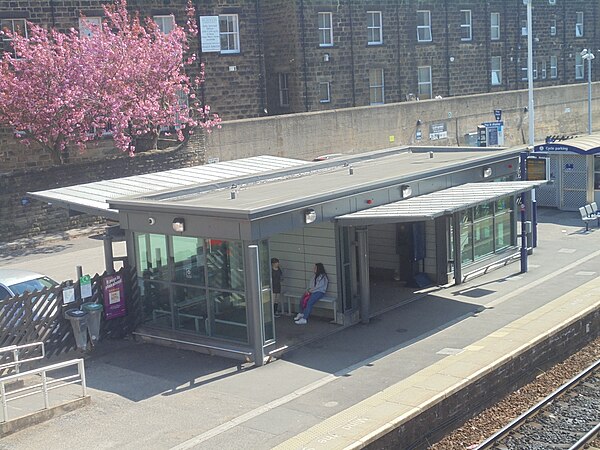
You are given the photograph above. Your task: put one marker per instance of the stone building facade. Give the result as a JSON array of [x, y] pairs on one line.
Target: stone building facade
[[327, 54], [234, 86]]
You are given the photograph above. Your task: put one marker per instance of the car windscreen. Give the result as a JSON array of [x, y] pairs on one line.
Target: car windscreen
[[32, 285]]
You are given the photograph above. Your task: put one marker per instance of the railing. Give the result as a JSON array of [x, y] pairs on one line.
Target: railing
[[15, 351], [44, 387]]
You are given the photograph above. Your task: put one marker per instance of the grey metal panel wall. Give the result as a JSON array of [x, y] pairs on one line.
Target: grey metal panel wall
[[382, 247], [574, 182], [300, 249], [549, 194], [430, 252]]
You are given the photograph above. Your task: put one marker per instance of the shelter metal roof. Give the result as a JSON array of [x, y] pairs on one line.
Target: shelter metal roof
[[93, 197], [436, 204], [584, 145]]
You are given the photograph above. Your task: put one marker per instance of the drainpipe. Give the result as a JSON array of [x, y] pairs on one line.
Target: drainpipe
[[261, 61], [363, 274], [447, 49], [254, 304], [53, 12], [304, 68], [352, 57], [109, 260]]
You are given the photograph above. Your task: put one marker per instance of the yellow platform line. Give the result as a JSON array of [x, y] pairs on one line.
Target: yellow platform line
[[379, 414]]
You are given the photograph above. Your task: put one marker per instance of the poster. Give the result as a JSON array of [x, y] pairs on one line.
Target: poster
[[114, 296], [210, 35]]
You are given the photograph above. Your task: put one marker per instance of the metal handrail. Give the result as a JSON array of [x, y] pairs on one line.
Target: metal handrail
[[46, 385], [15, 350]]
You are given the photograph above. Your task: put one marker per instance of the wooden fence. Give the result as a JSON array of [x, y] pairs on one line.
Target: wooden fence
[[39, 316]]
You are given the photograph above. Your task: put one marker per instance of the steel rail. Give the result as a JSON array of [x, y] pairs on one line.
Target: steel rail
[[503, 432]]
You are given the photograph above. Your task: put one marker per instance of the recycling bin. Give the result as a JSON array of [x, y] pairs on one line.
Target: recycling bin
[[78, 321], [94, 311]]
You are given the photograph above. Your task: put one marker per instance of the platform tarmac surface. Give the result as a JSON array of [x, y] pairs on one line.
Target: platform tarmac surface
[[340, 390]]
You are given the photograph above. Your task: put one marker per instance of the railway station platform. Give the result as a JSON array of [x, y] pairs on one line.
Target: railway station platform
[[394, 383]]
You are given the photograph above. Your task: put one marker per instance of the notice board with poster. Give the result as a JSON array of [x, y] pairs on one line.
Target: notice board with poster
[[537, 169], [113, 292]]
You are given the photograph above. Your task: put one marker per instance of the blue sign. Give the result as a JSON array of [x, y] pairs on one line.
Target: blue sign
[[498, 124], [498, 114]]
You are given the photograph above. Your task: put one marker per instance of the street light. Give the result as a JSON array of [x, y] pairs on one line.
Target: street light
[[589, 56]]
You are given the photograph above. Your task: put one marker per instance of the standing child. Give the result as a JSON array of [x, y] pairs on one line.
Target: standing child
[[276, 278]]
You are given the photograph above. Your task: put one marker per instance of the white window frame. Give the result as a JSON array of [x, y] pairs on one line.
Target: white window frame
[[325, 31], [553, 27], [553, 66], [496, 66], [373, 30], [284, 90], [424, 31], [466, 24], [534, 69], [3, 25], [377, 88], [578, 66], [84, 31], [544, 70], [579, 24], [524, 73], [232, 31], [165, 22], [422, 84], [495, 27], [327, 86]]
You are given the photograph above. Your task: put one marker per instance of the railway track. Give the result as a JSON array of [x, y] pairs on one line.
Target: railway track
[[569, 418]]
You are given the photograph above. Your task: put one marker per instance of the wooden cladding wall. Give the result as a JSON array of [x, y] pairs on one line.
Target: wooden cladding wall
[[299, 250], [39, 316]]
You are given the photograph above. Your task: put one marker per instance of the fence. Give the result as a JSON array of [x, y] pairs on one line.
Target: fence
[[39, 316]]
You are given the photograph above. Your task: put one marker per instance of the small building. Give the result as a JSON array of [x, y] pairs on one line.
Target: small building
[[573, 168], [202, 238]]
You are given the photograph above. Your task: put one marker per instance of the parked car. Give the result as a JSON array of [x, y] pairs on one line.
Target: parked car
[[16, 282]]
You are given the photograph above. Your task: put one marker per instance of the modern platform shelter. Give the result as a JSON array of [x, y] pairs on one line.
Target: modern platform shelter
[[573, 168], [402, 216]]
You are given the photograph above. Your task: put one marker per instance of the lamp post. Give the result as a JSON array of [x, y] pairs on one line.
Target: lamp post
[[589, 56]]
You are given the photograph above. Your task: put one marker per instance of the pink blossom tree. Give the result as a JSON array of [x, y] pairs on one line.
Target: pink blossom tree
[[57, 88]]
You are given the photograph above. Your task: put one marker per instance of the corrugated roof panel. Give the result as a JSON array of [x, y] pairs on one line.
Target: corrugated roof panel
[[436, 204], [92, 197]]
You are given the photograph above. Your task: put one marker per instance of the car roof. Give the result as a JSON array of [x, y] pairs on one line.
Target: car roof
[[9, 277]]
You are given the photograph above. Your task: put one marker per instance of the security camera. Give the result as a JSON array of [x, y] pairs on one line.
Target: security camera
[[151, 220]]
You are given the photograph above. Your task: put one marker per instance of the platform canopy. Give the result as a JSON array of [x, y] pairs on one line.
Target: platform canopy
[[436, 204], [93, 198], [584, 145]]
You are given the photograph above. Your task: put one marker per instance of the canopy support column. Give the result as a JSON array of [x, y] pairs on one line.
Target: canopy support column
[[457, 248], [254, 305], [363, 274]]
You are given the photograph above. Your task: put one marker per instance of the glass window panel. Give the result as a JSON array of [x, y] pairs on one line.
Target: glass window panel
[[156, 303], [225, 263], [503, 231], [265, 281], [597, 163], [188, 260], [485, 210], [503, 204], [229, 318], [483, 242], [190, 309], [152, 256], [466, 242]]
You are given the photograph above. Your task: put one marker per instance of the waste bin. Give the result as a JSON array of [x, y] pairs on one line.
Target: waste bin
[[78, 321], [94, 311]]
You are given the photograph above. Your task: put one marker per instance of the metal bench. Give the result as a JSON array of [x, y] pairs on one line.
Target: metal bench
[[586, 217], [326, 302]]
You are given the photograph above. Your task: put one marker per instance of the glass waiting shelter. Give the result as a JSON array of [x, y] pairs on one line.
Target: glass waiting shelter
[[201, 241]]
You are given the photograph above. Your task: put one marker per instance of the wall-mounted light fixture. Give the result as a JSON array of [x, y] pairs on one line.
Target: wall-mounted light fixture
[[487, 172], [419, 122], [178, 225], [310, 215], [405, 191]]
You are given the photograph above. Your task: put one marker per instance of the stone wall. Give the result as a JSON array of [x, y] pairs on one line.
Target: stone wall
[[24, 217], [559, 110]]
